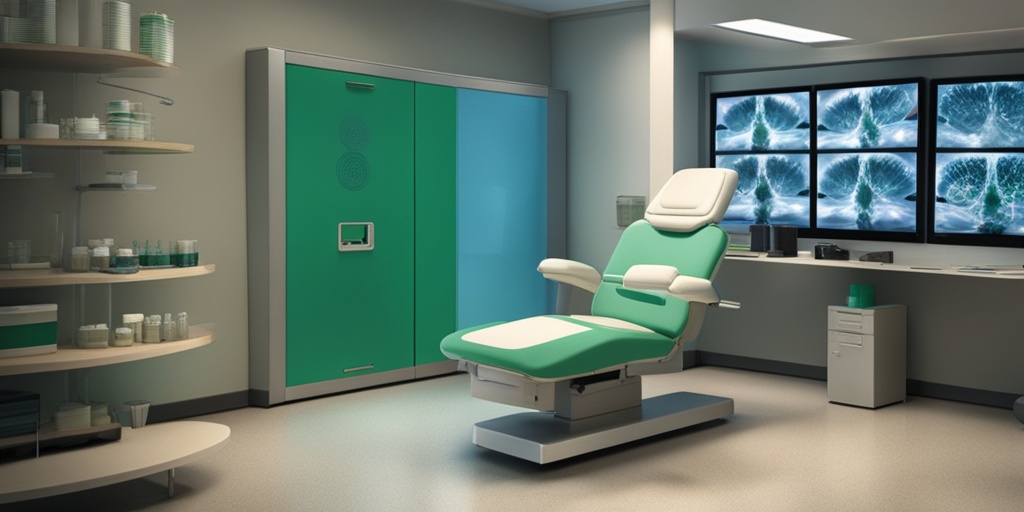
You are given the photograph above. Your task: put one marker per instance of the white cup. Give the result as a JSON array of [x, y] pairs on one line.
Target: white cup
[[138, 411]]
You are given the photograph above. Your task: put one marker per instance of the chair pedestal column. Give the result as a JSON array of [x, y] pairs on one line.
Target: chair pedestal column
[[578, 399]]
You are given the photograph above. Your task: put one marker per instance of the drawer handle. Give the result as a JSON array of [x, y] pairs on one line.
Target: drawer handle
[[358, 368], [360, 85]]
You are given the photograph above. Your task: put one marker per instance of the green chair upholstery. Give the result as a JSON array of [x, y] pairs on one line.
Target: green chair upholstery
[[677, 242]]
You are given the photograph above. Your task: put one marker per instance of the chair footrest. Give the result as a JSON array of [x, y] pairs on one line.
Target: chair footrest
[[542, 438]]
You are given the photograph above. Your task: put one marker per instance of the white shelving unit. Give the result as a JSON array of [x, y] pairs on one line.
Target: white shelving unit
[[139, 452]]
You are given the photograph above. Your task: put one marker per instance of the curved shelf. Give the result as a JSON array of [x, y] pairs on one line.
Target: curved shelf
[[27, 176], [78, 59], [116, 187], [110, 146], [74, 358], [140, 452], [53, 277]]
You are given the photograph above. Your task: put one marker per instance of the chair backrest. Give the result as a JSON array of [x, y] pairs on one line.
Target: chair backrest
[[679, 229]]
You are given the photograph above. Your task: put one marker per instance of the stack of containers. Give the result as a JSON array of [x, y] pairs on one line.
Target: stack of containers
[[119, 119], [37, 23], [42, 16], [72, 416], [117, 26], [156, 36]]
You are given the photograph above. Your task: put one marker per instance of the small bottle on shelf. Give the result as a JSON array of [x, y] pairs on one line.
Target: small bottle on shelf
[[183, 328], [170, 329], [151, 329]]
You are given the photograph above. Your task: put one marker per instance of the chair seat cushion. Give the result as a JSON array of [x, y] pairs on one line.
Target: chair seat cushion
[[554, 346]]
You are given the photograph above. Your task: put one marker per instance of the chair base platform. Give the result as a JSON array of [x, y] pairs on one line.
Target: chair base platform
[[542, 438]]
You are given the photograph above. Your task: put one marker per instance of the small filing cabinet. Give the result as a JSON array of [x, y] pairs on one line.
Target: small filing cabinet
[[867, 355]]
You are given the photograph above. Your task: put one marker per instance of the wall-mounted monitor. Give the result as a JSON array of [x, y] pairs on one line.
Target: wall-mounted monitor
[[868, 193], [867, 161], [879, 116], [763, 121], [772, 189], [838, 161], [766, 137], [977, 167]]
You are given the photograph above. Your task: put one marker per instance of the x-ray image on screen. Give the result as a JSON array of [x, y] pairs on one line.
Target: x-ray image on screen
[[979, 193], [867, 191], [980, 114], [772, 189], [878, 116], [763, 122]]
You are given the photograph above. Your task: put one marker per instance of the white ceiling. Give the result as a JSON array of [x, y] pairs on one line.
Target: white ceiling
[[879, 28]]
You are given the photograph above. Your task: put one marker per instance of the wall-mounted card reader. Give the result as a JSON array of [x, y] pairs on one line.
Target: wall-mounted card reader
[[355, 236]]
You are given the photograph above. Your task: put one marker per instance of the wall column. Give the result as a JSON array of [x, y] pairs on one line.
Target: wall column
[[661, 107]]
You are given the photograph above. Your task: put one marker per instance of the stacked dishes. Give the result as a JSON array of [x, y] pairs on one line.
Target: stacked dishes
[[117, 26], [37, 25], [42, 21], [156, 36]]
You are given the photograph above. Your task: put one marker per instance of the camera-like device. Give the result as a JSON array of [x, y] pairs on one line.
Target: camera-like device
[[826, 251]]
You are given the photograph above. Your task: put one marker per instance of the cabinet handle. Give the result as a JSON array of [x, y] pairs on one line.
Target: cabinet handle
[[360, 85], [358, 368]]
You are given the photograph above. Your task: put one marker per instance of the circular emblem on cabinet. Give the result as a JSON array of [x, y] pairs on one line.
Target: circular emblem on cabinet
[[353, 171], [355, 132]]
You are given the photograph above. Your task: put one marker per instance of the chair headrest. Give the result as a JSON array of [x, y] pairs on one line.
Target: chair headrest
[[692, 199]]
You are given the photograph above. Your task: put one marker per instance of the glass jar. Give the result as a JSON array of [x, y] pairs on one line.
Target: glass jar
[[80, 259], [123, 337], [134, 321], [100, 258], [126, 261], [151, 329]]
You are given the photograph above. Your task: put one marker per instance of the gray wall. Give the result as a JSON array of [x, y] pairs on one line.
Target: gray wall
[[202, 196], [602, 60]]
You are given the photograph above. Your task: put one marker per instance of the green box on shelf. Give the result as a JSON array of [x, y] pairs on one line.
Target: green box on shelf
[[28, 330]]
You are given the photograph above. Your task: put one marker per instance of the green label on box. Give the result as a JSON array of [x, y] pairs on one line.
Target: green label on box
[[28, 335]]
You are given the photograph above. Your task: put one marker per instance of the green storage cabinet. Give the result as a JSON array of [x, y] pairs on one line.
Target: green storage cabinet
[[349, 163], [340, 155]]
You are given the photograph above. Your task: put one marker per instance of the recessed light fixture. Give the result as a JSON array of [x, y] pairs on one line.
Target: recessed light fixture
[[781, 31]]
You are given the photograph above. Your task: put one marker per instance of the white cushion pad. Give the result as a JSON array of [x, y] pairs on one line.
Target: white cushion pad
[[605, 321], [524, 333]]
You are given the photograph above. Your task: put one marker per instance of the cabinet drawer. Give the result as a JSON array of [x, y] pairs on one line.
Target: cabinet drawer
[[849, 338], [851, 320]]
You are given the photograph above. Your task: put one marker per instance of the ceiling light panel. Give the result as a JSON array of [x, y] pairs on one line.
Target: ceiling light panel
[[781, 31]]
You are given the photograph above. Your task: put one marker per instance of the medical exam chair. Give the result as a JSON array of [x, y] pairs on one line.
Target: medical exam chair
[[582, 372]]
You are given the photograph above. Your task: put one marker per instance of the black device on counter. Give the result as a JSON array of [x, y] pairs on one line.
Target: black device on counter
[[826, 251], [878, 256], [783, 242]]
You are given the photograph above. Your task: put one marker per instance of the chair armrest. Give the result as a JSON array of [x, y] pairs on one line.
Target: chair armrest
[[694, 289], [571, 272], [666, 278], [650, 277]]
